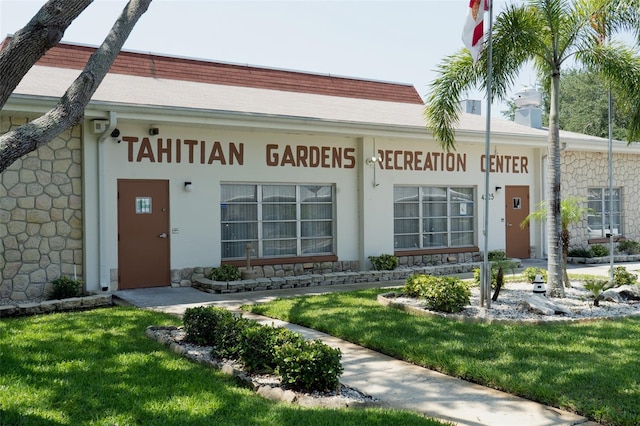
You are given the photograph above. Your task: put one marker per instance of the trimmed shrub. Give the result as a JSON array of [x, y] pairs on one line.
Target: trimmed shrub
[[384, 262], [258, 346], [629, 247], [309, 365], [579, 252], [531, 272], [443, 294], [598, 250], [496, 255], [216, 327], [225, 273], [623, 277], [65, 287]]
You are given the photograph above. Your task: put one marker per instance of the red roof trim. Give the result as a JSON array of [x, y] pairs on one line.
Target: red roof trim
[[172, 68]]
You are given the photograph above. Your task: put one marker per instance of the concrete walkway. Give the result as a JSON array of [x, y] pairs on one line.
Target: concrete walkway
[[396, 383]]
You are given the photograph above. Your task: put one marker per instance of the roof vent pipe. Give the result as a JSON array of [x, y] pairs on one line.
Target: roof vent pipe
[[104, 275]]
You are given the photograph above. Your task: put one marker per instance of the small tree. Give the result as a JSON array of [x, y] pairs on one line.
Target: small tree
[[572, 211]]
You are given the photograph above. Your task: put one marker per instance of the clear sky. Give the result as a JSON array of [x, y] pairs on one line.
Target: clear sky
[[399, 41]]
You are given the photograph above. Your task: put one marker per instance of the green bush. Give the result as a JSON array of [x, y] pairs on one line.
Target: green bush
[[384, 262], [531, 272], [258, 346], [443, 294], [623, 277], [216, 327], [496, 255], [629, 247], [598, 250], [225, 273], [579, 252], [596, 287], [309, 365], [65, 287]]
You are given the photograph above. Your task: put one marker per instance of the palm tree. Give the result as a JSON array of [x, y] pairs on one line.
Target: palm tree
[[545, 33], [572, 211]]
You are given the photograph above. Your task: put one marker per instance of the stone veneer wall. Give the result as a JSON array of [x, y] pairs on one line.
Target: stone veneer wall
[[582, 170], [40, 216]]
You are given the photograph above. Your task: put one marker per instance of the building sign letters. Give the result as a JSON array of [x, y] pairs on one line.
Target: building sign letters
[[310, 156]]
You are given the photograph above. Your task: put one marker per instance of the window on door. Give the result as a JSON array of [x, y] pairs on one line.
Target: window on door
[[277, 220], [428, 217], [600, 222]]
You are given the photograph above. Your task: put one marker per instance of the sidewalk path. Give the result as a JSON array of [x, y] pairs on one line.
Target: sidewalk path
[[397, 384]]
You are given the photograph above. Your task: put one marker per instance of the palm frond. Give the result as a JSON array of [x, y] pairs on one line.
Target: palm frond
[[619, 66], [456, 73]]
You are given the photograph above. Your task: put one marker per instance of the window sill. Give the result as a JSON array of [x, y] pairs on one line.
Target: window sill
[[441, 250], [282, 260], [605, 240]]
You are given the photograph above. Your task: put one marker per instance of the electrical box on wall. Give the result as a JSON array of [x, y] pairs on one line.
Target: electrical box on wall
[[100, 126]]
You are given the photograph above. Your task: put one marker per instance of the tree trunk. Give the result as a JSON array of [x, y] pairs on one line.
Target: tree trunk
[[554, 219], [70, 109], [499, 282]]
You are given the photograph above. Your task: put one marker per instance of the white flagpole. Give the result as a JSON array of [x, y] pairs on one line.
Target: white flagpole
[[485, 288]]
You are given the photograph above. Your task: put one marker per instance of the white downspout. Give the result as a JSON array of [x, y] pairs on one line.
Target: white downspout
[[104, 275]]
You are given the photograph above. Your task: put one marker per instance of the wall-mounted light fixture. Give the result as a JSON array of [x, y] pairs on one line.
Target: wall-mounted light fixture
[[371, 161], [154, 131], [498, 189], [188, 186]]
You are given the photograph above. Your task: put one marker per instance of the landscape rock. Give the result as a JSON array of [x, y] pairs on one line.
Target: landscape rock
[[542, 305], [622, 294]]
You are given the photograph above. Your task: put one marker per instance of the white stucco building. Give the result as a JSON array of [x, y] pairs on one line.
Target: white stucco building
[[180, 163]]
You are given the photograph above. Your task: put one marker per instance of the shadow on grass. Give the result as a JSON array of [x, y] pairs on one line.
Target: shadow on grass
[[589, 368], [98, 367]]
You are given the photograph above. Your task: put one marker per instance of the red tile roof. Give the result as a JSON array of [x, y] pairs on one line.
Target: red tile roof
[[158, 66]]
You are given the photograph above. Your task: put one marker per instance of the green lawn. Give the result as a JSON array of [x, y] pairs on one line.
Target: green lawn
[[590, 368], [98, 368]]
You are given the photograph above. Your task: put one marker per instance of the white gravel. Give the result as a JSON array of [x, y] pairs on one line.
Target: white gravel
[[578, 301]]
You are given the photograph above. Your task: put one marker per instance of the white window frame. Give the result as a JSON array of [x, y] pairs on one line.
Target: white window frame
[[261, 223], [598, 215], [454, 210]]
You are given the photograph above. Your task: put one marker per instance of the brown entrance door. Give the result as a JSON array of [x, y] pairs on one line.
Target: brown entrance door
[[143, 233], [516, 210]]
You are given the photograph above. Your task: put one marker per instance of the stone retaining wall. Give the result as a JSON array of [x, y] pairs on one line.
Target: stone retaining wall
[[312, 280], [618, 258], [188, 276], [49, 306]]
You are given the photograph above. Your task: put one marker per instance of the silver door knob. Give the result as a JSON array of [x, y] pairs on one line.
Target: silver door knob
[[508, 224], [163, 235]]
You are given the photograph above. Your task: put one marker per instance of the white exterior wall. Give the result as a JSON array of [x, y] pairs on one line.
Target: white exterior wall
[[364, 210], [195, 216], [473, 175]]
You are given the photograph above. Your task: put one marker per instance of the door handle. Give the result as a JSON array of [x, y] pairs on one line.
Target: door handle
[[508, 224], [163, 235]]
